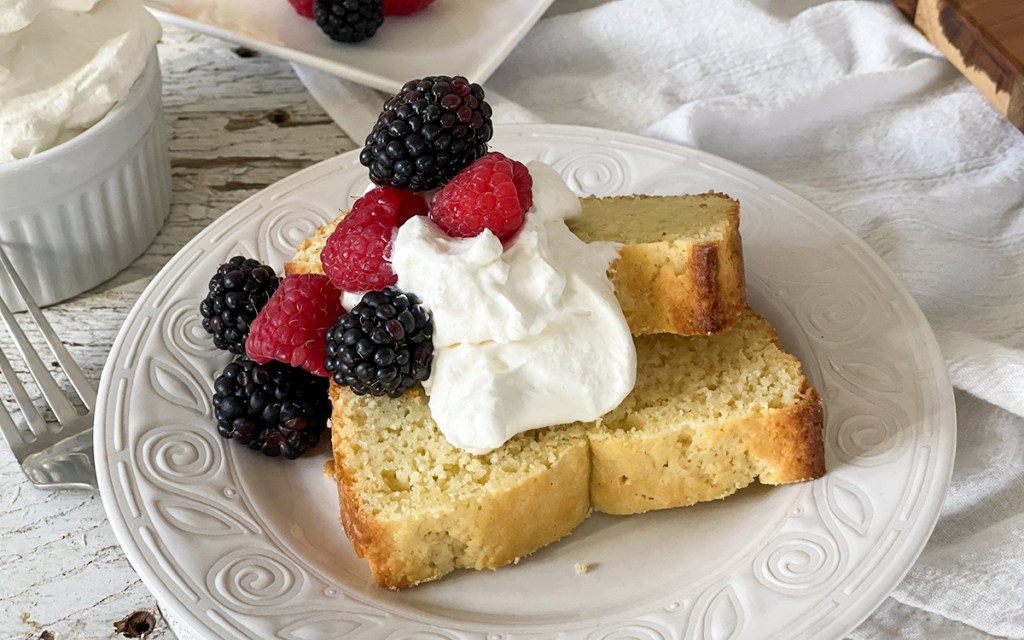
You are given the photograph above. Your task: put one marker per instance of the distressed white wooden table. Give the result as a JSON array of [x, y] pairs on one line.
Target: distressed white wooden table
[[239, 121]]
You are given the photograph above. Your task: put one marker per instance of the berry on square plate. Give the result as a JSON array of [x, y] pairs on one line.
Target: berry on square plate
[[404, 7], [303, 7], [348, 20]]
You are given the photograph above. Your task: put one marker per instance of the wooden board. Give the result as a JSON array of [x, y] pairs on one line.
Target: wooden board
[[984, 39]]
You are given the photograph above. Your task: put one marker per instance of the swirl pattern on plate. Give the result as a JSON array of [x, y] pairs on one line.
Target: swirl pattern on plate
[[179, 455], [600, 174], [864, 438], [251, 579], [797, 563]]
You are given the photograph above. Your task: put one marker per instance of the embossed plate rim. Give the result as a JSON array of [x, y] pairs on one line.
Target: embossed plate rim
[[860, 603]]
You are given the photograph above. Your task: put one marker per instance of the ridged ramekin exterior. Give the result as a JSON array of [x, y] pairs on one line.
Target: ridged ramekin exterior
[[73, 216]]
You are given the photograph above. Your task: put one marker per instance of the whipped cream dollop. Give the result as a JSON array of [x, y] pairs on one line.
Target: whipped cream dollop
[[527, 335], [64, 64]]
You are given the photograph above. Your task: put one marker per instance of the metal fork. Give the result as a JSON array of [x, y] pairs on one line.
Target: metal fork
[[53, 455]]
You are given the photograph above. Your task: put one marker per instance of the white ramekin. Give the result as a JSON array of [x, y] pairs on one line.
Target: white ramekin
[[74, 215]]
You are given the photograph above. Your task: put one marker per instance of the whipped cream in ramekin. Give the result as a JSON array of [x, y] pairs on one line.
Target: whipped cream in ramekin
[[64, 64], [527, 335]]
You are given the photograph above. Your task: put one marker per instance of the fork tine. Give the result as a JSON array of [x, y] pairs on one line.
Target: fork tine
[[71, 369], [62, 408], [9, 429], [33, 418]]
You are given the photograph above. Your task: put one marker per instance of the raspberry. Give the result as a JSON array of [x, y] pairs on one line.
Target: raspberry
[[291, 328], [303, 7], [356, 255], [389, 201], [404, 7], [492, 193]]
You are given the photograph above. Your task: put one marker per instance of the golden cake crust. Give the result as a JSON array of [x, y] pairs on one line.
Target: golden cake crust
[[637, 472]]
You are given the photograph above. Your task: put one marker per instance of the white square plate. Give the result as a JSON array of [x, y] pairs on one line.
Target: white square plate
[[450, 37]]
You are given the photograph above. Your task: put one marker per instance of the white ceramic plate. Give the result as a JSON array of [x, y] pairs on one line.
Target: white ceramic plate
[[453, 37], [236, 545]]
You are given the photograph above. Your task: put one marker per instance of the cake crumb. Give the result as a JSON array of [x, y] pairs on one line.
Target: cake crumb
[[330, 472], [582, 568]]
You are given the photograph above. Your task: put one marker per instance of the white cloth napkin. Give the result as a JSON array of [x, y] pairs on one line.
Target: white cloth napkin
[[848, 105]]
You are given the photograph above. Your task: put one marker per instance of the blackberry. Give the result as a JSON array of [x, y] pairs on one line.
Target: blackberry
[[239, 289], [272, 408], [348, 20], [427, 133], [382, 346]]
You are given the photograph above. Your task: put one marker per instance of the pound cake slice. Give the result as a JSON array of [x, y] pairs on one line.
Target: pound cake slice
[[680, 269], [708, 415], [416, 508]]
